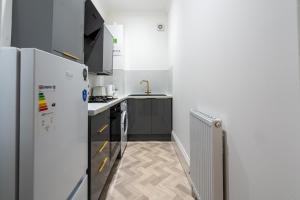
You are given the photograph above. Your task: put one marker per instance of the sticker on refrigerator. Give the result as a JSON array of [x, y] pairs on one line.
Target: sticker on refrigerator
[[47, 87], [46, 108], [47, 122], [42, 102], [84, 95]]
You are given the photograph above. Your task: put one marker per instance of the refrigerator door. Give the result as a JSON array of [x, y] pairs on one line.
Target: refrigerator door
[[81, 191], [54, 125], [5, 22], [8, 122]]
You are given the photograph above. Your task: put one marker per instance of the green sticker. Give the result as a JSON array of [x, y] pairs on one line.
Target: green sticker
[[115, 40]]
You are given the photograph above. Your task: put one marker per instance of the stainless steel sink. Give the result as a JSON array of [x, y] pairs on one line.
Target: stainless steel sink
[[134, 95]]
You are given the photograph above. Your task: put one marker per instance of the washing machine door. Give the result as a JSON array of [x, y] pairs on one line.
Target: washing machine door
[[124, 129], [124, 123]]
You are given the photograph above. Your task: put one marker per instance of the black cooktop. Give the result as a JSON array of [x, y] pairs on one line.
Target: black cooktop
[[100, 99]]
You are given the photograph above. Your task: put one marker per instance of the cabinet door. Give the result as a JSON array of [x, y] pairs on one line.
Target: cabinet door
[[93, 47], [93, 21], [108, 48], [161, 122], [139, 116], [68, 28], [93, 38]]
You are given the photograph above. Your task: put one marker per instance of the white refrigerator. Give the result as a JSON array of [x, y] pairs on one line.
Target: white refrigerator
[[43, 126]]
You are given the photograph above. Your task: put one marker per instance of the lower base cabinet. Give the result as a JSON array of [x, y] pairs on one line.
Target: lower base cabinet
[[104, 148], [149, 119], [139, 116], [99, 153], [161, 116]]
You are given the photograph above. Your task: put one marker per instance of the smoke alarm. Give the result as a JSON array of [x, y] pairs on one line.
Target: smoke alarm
[[160, 27]]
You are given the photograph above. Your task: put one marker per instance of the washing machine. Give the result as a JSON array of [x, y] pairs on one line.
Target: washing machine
[[124, 126]]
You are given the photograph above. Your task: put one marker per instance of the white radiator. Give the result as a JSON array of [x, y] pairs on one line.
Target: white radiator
[[206, 156]]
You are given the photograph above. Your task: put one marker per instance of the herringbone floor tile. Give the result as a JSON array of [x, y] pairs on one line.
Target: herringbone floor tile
[[149, 171]]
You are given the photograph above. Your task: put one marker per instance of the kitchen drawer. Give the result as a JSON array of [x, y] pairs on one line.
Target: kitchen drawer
[[99, 176], [100, 167], [101, 134], [99, 121], [99, 150]]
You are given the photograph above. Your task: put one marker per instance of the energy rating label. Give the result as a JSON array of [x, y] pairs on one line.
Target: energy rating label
[[42, 102]]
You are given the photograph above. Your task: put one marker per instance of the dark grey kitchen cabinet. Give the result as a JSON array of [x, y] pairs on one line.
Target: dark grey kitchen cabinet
[[139, 116], [55, 26], [99, 153], [98, 42], [104, 148], [161, 116], [68, 27], [149, 119], [93, 38]]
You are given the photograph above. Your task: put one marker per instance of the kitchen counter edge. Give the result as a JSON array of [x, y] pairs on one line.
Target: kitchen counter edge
[[96, 108]]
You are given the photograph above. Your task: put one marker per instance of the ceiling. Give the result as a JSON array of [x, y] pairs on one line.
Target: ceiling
[[136, 5]]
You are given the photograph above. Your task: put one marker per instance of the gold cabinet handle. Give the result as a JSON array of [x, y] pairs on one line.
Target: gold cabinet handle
[[67, 54], [102, 129], [70, 55], [100, 149], [102, 165]]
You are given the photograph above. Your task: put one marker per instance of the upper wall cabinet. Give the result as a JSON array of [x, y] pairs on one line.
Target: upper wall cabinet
[[93, 38], [55, 26], [98, 42]]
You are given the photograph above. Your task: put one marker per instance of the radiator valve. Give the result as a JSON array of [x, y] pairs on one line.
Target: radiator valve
[[218, 124]]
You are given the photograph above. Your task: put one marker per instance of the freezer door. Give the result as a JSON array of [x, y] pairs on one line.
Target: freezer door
[[54, 125], [8, 122], [81, 191]]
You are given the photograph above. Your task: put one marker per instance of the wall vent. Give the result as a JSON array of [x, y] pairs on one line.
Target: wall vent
[[160, 27]]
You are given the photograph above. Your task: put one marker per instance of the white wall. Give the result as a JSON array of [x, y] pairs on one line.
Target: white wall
[[128, 81], [145, 47], [5, 22], [145, 52], [102, 8], [158, 80], [239, 60]]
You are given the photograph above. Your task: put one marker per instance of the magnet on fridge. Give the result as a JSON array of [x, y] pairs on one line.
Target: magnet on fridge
[[84, 95]]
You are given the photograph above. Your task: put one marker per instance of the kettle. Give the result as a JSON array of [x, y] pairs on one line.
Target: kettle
[[110, 90], [99, 91]]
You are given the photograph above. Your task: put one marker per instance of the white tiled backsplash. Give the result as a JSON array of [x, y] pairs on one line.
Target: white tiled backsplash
[[128, 81], [159, 81], [119, 81], [95, 80]]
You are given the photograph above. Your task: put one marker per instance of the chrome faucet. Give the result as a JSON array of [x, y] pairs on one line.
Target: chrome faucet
[[147, 85]]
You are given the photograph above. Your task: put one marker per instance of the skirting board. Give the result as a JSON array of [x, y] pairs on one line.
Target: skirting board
[[184, 160], [149, 137], [183, 156]]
